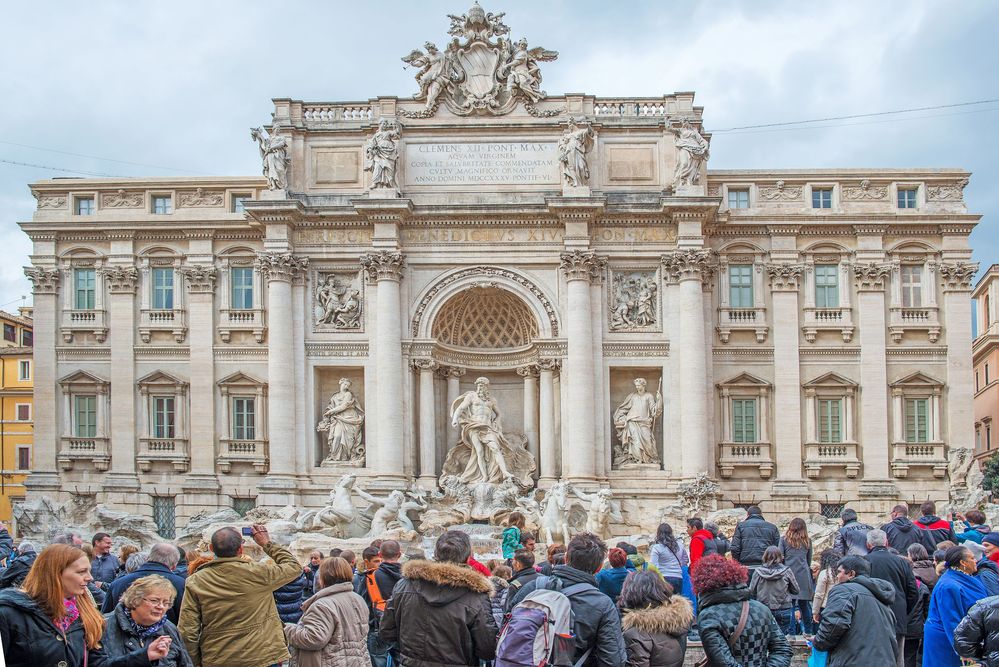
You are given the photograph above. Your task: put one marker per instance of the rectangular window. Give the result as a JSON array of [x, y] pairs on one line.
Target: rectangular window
[[24, 412], [85, 412], [244, 418], [165, 516], [164, 425], [821, 197], [163, 289], [978, 438], [743, 420], [24, 370], [977, 384], [830, 420], [912, 285], [831, 510], [907, 197], [9, 332], [988, 437], [986, 373], [738, 198], [162, 204], [917, 421], [84, 206], [827, 286], [740, 285], [242, 288], [27, 338], [24, 458], [238, 201], [243, 505], [85, 281]]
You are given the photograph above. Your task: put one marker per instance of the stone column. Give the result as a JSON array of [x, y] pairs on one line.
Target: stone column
[[122, 484], [44, 479], [603, 446], [546, 419], [428, 422], [784, 280], [280, 269], [579, 455], [530, 375], [876, 447], [960, 419], [453, 375], [387, 456], [689, 268], [305, 439]]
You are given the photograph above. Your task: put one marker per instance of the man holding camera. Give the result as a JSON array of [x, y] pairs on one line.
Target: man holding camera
[[228, 616]]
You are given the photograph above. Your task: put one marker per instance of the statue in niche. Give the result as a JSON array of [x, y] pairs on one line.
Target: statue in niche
[[602, 510], [484, 453], [339, 304], [634, 421], [343, 421], [635, 301], [693, 150], [274, 153], [576, 141], [381, 154]]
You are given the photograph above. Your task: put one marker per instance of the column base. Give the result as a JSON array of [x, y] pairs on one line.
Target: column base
[[42, 482]]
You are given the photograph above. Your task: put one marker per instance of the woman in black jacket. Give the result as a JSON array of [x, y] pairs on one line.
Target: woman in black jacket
[[977, 635], [52, 620], [140, 618]]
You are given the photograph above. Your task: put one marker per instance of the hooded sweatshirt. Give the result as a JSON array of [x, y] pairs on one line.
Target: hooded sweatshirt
[[775, 586], [702, 543], [902, 533], [938, 529]]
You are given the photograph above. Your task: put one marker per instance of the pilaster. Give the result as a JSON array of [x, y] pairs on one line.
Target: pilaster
[[44, 478], [956, 279]]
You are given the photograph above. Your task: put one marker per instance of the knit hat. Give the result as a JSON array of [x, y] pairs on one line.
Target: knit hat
[[976, 549], [991, 538]]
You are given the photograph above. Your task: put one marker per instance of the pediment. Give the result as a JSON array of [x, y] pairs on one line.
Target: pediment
[[239, 377], [830, 380], [745, 380], [83, 377], [917, 379], [161, 378]]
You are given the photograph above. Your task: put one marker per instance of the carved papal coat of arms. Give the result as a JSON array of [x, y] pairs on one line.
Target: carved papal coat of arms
[[482, 70]]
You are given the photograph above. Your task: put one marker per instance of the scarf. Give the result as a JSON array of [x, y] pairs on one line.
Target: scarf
[[143, 631], [72, 613]]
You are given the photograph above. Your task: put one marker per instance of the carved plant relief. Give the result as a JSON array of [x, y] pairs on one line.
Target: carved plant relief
[[633, 300], [338, 301]]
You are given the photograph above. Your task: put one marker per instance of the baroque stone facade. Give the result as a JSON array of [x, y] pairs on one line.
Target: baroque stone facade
[[808, 330]]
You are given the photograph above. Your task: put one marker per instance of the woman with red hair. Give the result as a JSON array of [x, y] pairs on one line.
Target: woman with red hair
[[611, 579], [52, 620], [733, 628]]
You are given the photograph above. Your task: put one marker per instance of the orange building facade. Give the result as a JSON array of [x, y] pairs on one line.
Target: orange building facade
[[985, 351]]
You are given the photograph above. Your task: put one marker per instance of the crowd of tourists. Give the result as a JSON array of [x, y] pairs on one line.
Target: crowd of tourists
[[923, 592]]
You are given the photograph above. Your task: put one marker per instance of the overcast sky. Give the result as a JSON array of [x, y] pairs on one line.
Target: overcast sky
[[176, 85]]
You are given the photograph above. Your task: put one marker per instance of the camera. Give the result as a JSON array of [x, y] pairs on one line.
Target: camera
[[247, 531]]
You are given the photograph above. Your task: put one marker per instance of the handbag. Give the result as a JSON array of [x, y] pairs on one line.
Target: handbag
[[743, 617]]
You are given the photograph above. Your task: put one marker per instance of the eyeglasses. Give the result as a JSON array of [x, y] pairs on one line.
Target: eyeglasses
[[156, 602]]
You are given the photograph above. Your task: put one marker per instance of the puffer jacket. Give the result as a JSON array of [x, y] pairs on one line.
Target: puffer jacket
[[30, 639], [119, 640], [858, 626], [851, 539], [657, 636], [497, 603], [17, 570], [440, 616], [751, 539], [977, 635], [902, 534], [228, 616], [333, 630], [775, 586], [288, 599], [761, 643]]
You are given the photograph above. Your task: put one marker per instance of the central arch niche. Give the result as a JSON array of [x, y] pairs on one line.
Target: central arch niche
[[485, 318]]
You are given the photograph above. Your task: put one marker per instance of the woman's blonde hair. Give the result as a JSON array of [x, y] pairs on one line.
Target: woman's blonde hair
[[140, 588], [44, 585], [126, 551]]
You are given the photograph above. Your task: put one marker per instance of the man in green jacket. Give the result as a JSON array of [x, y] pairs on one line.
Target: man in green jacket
[[228, 616]]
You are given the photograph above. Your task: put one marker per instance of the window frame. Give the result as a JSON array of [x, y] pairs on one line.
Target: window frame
[[249, 287], [77, 425], [21, 450], [826, 436], [88, 291], [746, 283], [911, 193], [23, 364], [907, 291], [821, 191], [12, 328], [17, 411], [739, 434], [825, 289], [909, 402], [238, 200], [167, 291], [91, 208], [245, 431], [165, 505], [27, 338], [167, 429], [738, 197], [156, 198]]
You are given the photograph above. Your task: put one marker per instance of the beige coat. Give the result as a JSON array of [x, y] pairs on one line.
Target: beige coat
[[333, 630], [228, 616], [823, 585]]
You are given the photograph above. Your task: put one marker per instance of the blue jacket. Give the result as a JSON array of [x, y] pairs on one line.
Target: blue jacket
[[121, 584], [289, 599], [611, 580], [6, 544], [972, 533], [988, 572], [951, 599], [103, 568]]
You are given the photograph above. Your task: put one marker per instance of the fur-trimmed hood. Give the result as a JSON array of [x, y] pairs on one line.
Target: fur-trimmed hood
[[442, 583], [673, 617]]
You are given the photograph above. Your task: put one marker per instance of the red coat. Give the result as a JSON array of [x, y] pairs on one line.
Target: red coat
[[697, 541], [479, 567]]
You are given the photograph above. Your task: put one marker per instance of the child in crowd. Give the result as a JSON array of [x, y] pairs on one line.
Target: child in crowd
[[511, 535], [775, 585]]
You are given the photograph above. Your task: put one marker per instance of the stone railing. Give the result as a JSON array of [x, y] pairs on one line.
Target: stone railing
[[173, 320], [907, 455], [745, 455], [324, 114], [629, 108], [753, 319], [84, 321], [925, 318], [252, 452], [170, 450], [834, 319], [235, 319], [95, 450], [820, 455]]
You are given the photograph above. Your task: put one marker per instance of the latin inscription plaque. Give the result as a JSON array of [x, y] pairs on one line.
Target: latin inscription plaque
[[482, 163]]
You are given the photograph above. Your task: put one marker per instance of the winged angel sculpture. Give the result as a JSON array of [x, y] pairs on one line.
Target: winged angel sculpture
[[482, 70]]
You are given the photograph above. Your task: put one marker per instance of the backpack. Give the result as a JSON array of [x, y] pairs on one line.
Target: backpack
[[538, 631], [375, 595]]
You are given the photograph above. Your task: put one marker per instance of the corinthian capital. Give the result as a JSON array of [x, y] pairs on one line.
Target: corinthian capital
[[785, 277], [582, 265], [383, 265], [690, 264], [870, 276], [280, 265], [120, 279], [199, 278], [43, 281], [958, 276], [424, 364]]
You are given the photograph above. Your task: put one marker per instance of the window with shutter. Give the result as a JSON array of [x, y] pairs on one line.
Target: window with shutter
[[740, 281], [744, 420], [830, 420], [827, 286], [917, 420]]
